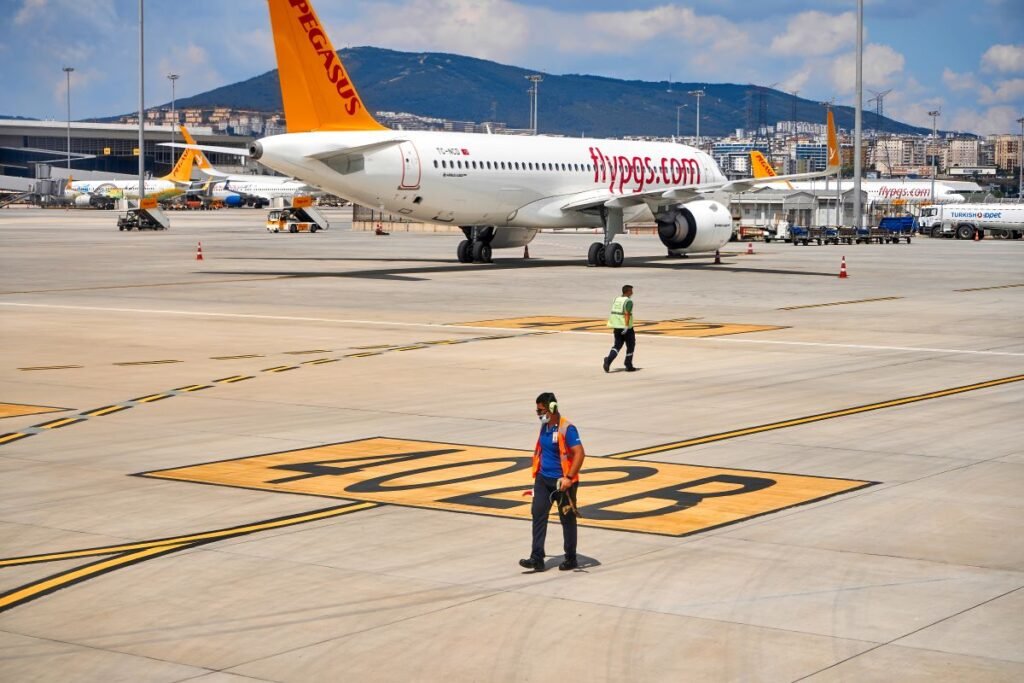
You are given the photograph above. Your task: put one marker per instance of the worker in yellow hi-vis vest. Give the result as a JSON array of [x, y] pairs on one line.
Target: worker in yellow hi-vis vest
[[621, 322]]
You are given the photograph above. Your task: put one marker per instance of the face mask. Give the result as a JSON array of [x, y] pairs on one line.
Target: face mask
[[544, 419]]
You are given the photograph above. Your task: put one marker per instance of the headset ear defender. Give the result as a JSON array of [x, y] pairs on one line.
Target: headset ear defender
[[553, 406]]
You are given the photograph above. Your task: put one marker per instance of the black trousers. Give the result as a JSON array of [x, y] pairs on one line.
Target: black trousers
[[627, 337], [544, 493]]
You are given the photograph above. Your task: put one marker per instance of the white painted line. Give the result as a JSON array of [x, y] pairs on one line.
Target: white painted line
[[512, 331]]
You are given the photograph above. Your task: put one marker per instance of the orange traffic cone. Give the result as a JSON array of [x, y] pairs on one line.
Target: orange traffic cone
[[199, 252], [976, 233], [750, 248], [842, 268], [526, 251], [718, 258]]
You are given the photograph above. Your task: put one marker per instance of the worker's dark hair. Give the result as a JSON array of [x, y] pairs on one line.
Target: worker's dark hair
[[546, 399], [626, 287]]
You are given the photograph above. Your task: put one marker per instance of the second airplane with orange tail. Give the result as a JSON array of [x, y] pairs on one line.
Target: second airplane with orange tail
[[499, 189]]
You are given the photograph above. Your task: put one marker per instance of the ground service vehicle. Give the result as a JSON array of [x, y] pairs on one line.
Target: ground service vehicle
[[966, 220], [147, 216], [301, 216]]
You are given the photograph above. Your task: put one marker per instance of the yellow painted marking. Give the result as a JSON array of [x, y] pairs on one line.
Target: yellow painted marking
[[99, 412], [302, 353], [982, 289], [150, 362], [194, 387], [441, 341], [679, 327], [373, 346], [661, 498], [233, 379], [152, 397], [250, 355], [280, 368], [204, 536], [13, 436], [56, 424], [815, 418], [19, 409], [364, 354], [408, 348], [37, 588], [841, 303], [320, 361], [52, 367]]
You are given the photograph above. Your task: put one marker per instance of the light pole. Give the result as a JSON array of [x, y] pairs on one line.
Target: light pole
[[535, 79], [934, 114], [698, 94], [1020, 162], [174, 117], [858, 116], [142, 113], [679, 107], [67, 72]]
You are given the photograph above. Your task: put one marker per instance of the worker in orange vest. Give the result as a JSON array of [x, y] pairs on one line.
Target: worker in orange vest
[[557, 459]]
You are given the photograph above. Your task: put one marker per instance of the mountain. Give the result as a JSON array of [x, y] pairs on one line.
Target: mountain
[[469, 89]]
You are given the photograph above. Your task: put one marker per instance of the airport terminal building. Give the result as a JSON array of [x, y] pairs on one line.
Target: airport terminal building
[[35, 149]]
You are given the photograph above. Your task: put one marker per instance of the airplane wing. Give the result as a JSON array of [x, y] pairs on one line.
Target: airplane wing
[[322, 155]]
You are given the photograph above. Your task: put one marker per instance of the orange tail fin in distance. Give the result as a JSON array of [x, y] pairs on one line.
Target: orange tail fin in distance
[[760, 166], [834, 160], [315, 88], [182, 171], [200, 159]]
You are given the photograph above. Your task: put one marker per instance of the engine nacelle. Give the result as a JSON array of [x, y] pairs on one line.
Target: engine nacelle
[[703, 225], [234, 200], [512, 237], [83, 201]]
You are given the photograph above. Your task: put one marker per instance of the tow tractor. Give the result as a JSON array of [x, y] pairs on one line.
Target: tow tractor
[[301, 216], [148, 216]]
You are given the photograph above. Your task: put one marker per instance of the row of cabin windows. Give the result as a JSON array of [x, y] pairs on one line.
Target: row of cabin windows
[[531, 166], [511, 166]]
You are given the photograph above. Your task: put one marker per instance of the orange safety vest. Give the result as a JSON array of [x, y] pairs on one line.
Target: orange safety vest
[[563, 451]]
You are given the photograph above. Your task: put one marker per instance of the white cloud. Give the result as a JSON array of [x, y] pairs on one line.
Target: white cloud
[[1005, 91], [956, 81], [1004, 58], [882, 67], [999, 119], [28, 10], [813, 34]]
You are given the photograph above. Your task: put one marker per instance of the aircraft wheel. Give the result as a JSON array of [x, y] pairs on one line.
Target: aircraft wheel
[[465, 251], [481, 252], [613, 255], [592, 255]]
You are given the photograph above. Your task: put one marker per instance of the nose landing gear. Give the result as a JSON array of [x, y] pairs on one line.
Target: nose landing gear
[[477, 248], [608, 253]]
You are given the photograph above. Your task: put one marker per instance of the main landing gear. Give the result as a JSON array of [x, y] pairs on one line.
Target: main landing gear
[[477, 247], [608, 252]]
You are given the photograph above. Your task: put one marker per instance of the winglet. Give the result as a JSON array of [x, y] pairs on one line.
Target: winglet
[[201, 161], [760, 166], [834, 159], [315, 88]]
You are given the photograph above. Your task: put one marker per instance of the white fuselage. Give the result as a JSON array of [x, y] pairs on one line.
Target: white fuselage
[[260, 186], [909, 191], [127, 189], [476, 179]]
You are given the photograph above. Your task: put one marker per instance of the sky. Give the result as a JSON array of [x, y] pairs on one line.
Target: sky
[[962, 57]]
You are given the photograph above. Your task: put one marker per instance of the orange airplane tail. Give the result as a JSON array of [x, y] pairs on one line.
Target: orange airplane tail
[[182, 171], [760, 166], [315, 87]]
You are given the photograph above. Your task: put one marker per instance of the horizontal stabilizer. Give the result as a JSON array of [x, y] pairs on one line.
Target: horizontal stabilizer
[[237, 151]]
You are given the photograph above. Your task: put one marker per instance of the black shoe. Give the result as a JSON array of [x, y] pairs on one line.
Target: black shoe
[[567, 565], [607, 364], [530, 563], [630, 368]]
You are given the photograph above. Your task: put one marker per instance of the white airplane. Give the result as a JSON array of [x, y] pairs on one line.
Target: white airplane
[[904, 191], [242, 189], [499, 189], [103, 193]]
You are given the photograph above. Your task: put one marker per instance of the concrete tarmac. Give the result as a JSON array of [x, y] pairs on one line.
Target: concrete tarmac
[[303, 458]]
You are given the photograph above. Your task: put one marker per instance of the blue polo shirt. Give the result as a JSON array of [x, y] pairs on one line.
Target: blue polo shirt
[[550, 462]]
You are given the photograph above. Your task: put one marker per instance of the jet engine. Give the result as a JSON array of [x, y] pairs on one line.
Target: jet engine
[[83, 201], [703, 225]]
